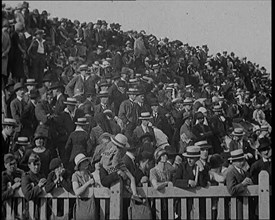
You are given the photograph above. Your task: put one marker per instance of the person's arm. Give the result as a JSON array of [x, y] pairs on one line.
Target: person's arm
[[78, 190], [29, 190], [51, 182], [179, 180], [122, 113], [157, 185], [107, 179]]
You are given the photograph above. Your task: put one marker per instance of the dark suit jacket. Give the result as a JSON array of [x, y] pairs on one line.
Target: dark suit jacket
[[5, 144], [184, 173], [128, 112], [257, 167], [17, 109], [233, 181], [29, 120], [130, 165], [138, 132], [117, 62], [202, 132], [59, 104]]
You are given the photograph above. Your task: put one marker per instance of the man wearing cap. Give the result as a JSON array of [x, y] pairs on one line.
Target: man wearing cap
[[9, 125], [38, 51], [237, 178], [104, 102], [11, 177], [81, 83], [18, 104]]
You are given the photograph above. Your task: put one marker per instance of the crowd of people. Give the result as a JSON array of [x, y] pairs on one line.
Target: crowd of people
[[87, 104]]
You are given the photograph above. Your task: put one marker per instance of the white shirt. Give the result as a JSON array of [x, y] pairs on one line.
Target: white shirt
[[129, 154], [40, 48], [57, 97]]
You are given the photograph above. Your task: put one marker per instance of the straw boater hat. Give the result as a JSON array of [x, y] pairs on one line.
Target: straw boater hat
[[177, 100], [82, 121], [9, 121], [80, 158], [70, 101], [103, 94], [203, 144], [145, 116], [188, 101], [188, 87], [134, 91], [192, 151], [22, 141], [30, 82], [121, 141], [217, 108], [83, 67], [236, 154], [238, 132]]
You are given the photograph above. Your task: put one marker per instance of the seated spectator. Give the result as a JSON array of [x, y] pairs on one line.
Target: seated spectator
[[113, 166], [160, 175], [21, 145]]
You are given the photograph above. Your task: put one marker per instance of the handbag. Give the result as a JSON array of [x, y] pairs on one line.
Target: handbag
[[139, 210], [85, 209]]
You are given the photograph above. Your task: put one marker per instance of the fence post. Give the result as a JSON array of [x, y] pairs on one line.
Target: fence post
[[116, 201], [264, 195]]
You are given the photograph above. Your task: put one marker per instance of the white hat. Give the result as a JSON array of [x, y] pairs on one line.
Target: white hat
[[236, 154], [78, 159], [202, 110], [120, 140], [192, 151]]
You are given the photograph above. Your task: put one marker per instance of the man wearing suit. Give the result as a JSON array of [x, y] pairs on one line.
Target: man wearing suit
[[140, 130], [58, 98], [117, 62], [191, 173], [264, 163], [237, 179], [104, 104], [17, 105], [29, 120], [128, 112], [9, 125], [82, 83]]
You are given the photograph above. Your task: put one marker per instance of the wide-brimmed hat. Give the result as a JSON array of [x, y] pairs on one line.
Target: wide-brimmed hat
[[55, 85], [264, 144], [83, 67], [30, 82], [133, 81], [203, 144], [236, 155], [192, 151], [9, 121], [120, 140], [177, 100], [70, 101], [22, 141], [80, 158], [134, 91], [18, 86], [217, 108], [188, 101], [238, 132], [103, 94], [264, 128], [145, 116], [82, 121], [159, 152]]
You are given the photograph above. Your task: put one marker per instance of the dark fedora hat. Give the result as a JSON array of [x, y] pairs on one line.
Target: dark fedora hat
[[55, 85], [264, 144], [34, 93]]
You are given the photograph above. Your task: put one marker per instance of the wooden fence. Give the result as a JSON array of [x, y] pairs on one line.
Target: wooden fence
[[172, 199]]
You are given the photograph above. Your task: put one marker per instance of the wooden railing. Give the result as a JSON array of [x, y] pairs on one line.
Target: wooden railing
[[111, 201]]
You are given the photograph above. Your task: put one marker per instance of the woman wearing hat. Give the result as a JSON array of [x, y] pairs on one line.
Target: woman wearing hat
[[39, 148], [78, 142]]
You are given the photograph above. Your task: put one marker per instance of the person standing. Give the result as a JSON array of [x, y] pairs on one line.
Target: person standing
[[9, 125], [6, 46]]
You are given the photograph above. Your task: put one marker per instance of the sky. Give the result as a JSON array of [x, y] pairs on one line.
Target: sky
[[243, 27]]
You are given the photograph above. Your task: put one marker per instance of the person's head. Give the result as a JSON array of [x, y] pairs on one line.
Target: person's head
[[56, 165], [265, 148], [203, 111], [122, 86], [140, 98], [204, 149], [216, 161], [160, 155], [238, 134], [200, 117], [104, 97], [187, 103], [145, 118], [217, 109], [121, 142], [83, 69], [187, 118], [40, 139], [144, 158], [104, 138], [34, 163], [82, 162], [192, 154], [43, 93], [19, 89], [9, 125], [237, 158], [5, 25], [71, 104], [10, 163]]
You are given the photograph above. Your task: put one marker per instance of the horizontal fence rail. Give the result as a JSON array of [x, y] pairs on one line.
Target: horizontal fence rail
[[169, 203]]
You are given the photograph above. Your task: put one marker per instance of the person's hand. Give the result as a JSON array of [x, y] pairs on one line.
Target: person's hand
[[42, 182], [122, 174], [200, 165], [191, 183], [247, 181], [16, 185], [17, 179], [91, 181], [248, 155], [144, 179]]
